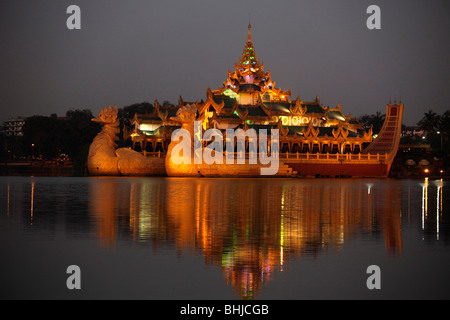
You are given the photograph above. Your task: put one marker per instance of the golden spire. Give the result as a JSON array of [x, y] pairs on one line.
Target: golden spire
[[249, 62]]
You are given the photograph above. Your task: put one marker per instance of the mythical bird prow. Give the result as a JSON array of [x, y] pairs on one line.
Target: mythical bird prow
[[105, 160]]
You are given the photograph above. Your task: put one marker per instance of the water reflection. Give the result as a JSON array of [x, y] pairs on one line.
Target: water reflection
[[439, 204], [251, 228], [32, 202], [103, 197]]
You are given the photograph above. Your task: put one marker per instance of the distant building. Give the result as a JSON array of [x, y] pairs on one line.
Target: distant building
[[413, 131], [13, 127]]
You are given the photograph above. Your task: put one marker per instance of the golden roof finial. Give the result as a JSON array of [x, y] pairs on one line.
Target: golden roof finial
[[249, 38]]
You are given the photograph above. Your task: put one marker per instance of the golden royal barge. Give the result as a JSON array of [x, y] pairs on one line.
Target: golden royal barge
[[314, 140]]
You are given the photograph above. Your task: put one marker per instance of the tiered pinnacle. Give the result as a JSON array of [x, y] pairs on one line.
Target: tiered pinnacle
[[249, 62], [249, 82]]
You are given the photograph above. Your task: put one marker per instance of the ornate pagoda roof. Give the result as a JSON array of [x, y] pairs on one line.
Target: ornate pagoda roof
[[249, 97], [249, 75]]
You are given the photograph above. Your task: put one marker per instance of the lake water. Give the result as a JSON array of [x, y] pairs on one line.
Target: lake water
[[187, 238]]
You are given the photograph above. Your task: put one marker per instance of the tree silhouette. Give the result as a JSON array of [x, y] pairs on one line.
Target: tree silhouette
[[444, 124], [430, 121], [52, 136], [375, 121]]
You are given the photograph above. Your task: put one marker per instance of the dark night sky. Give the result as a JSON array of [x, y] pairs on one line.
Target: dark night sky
[[135, 51]]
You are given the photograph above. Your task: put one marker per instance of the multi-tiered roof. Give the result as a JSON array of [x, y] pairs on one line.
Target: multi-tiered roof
[[250, 79], [249, 99]]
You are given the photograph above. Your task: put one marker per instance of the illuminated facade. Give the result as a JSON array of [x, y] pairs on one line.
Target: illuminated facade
[[250, 99], [318, 136]]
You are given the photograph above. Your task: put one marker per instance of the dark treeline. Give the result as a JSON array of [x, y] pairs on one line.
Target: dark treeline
[[374, 121], [436, 131], [52, 137], [434, 128]]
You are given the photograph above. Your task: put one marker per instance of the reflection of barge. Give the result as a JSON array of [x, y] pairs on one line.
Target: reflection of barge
[[315, 140]]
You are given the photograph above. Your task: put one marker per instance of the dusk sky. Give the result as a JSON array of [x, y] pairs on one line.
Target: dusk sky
[[140, 50]]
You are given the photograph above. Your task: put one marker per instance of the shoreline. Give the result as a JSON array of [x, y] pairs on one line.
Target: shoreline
[[68, 170]]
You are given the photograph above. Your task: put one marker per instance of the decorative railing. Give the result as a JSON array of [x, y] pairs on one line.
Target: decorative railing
[[158, 154], [331, 157]]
